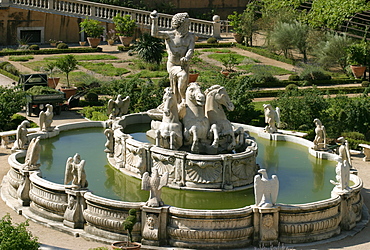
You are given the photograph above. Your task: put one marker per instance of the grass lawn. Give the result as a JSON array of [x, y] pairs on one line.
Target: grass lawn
[[106, 69], [253, 68]]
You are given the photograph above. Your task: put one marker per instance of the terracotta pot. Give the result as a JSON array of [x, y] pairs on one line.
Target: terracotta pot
[[69, 92], [193, 77], [53, 44], [126, 40], [358, 71], [53, 82], [94, 42], [122, 245], [82, 43], [110, 42], [238, 38]]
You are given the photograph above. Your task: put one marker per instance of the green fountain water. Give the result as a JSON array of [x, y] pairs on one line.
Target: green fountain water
[[302, 177]]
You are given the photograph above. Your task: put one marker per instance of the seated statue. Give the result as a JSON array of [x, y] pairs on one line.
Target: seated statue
[[33, 155], [46, 118], [21, 136], [272, 118], [320, 138]]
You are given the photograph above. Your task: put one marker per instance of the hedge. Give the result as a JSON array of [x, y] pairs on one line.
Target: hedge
[[50, 51]]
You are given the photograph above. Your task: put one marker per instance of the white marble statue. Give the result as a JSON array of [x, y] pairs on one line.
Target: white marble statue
[[343, 150], [21, 136], [46, 118], [196, 125], [342, 171], [216, 99], [265, 190], [320, 138], [109, 145], [169, 133], [75, 172], [272, 118], [180, 45], [118, 107], [154, 184], [33, 155]]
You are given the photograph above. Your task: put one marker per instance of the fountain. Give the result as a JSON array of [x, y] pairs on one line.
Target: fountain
[[215, 159]]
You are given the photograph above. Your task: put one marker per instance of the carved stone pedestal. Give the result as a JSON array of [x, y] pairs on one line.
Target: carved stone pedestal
[[266, 226], [154, 220], [348, 214], [73, 216]]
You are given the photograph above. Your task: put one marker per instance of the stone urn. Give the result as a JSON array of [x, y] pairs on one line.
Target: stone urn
[[123, 245], [94, 42], [126, 40]]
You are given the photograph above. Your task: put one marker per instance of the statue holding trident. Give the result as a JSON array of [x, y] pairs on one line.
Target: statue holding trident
[[180, 45]]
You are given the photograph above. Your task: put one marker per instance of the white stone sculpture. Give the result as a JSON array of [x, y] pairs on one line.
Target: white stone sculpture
[[180, 45], [272, 118], [33, 155], [320, 138], [169, 133], [154, 184], [75, 172], [21, 136], [118, 107], [343, 150], [216, 99], [265, 190], [196, 124], [109, 145], [342, 171], [46, 118]]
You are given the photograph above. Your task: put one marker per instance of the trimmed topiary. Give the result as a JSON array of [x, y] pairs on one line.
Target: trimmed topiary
[[62, 46], [34, 47]]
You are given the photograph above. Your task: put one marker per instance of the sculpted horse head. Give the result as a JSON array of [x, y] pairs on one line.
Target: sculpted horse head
[[194, 95], [170, 111], [216, 97]]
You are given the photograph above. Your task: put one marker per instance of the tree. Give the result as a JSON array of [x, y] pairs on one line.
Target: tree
[[12, 101], [14, 237], [333, 51], [67, 64], [281, 38], [249, 22], [301, 38], [149, 48]]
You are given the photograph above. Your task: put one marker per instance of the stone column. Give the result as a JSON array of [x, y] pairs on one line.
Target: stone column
[[266, 225], [73, 216], [154, 221], [216, 26]]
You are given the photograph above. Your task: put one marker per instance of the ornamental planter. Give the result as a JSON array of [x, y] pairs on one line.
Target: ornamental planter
[[53, 82], [69, 92], [358, 70], [238, 38], [193, 77], [94, 42], [126, 40], [123, 245]]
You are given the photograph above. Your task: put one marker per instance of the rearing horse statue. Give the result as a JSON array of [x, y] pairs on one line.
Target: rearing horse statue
[[216, 98], [196, 124], [169, 133]]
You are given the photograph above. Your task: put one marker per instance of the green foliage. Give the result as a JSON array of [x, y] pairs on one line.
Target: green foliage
[[333, 51], [262, 74], [14, 237], [91, 27], [294, 77], [41, 90], [62, 46], [67, 64], [130, 222], [8, 67], [20, 58], [313, 73], [91, 97], [300, 107], [106, 69], [125, 26], [357, 53], [249, 22], [34, 47], [95, 113], [229, 62], [235, 20], [212, 40], [12, 101], [149, 48], [332, 13]]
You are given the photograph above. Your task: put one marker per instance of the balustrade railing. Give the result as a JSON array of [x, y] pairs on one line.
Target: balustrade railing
[[105, 13]]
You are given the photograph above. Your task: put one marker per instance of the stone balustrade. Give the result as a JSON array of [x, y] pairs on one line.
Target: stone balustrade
[[105, 13]]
